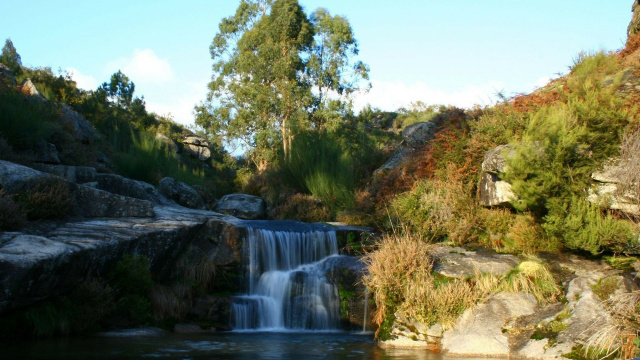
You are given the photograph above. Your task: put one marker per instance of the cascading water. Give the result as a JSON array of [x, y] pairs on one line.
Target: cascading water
[[287, 287]]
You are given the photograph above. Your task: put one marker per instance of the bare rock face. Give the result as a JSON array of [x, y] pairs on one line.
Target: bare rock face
[[82, 129], [493, 191], [14, 177], [479, 331], [242, 205], [131, 188], [460, 263], [609, 189], [181, 193], [634, 25], [91, 202], [28, 88], [198, 147], [419, 134]]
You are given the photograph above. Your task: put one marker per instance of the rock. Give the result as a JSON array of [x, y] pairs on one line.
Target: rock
[[7, 77], [181, 193], [610, 190], [493, 191], [398, 157], [217, 309], [82, 129], [460, 263], [242, 205], [198, 147], [91, 202], [75, 174], [28, 88], [207, 196], [33, 268], [634, 25], [171, 145], [47, 153], [419, 134], [347, 273], [14, 177], [479, 331], [411, 333], [132, 188]]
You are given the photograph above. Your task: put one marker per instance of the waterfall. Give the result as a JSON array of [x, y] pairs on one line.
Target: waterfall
[[287, 286], [366, 302]]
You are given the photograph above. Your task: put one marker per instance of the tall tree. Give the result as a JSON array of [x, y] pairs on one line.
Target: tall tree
[[11, 58], [330, 68], [268, 74], [119, 90]]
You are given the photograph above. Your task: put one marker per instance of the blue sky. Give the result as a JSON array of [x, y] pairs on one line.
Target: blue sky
[[456, 52]]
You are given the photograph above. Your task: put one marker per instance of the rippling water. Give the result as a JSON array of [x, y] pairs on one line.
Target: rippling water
[[252, 346]]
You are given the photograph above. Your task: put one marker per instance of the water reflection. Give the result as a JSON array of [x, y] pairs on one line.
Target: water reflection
[[233, 346]]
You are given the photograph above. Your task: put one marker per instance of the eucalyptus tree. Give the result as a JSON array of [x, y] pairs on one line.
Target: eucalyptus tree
[[272, 68], [332, 73]]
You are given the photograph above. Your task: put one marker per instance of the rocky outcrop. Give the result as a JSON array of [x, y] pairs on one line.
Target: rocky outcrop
[[83, 131], [634, 25], [479, 331], [242, 205], [91, 202], [460, 263], [28, 88], [347, 273], [75, 174], [132, 188], [419, 134], [611, 189], [37, 266], [197, 147], [164, 139], [181, 193], [14, 178], [414, 136], [493, 191]]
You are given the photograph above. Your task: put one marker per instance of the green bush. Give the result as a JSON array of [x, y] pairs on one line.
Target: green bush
[[320, 166], [132, 282], [582, 226]]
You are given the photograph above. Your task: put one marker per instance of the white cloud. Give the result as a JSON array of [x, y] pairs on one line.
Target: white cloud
[[86, 82], [391, 96], [180, 102], [143, 66]]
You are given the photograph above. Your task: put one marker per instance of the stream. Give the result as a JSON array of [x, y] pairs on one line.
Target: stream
[[220, 345]]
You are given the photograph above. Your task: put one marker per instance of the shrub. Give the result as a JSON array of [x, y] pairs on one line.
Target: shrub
[[318, 165], [132, 281], [11, 215], [581, 226], [303, 208], [46, 198]]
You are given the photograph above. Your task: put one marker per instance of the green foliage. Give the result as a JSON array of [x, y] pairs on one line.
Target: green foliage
[[605, 287], [582, 226], [26, 125], [46, 198], [417, 112], [267, 58], [58, 88], [320, 166], [10, 57], [132, 281]]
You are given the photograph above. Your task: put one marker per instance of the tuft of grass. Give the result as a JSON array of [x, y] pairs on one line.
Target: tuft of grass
[[533, 277], [606, 287]]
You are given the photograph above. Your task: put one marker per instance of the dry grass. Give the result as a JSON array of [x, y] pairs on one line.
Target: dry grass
[[533, 277], [618, 341], [168, 302], [399, 260], [46, 198]]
